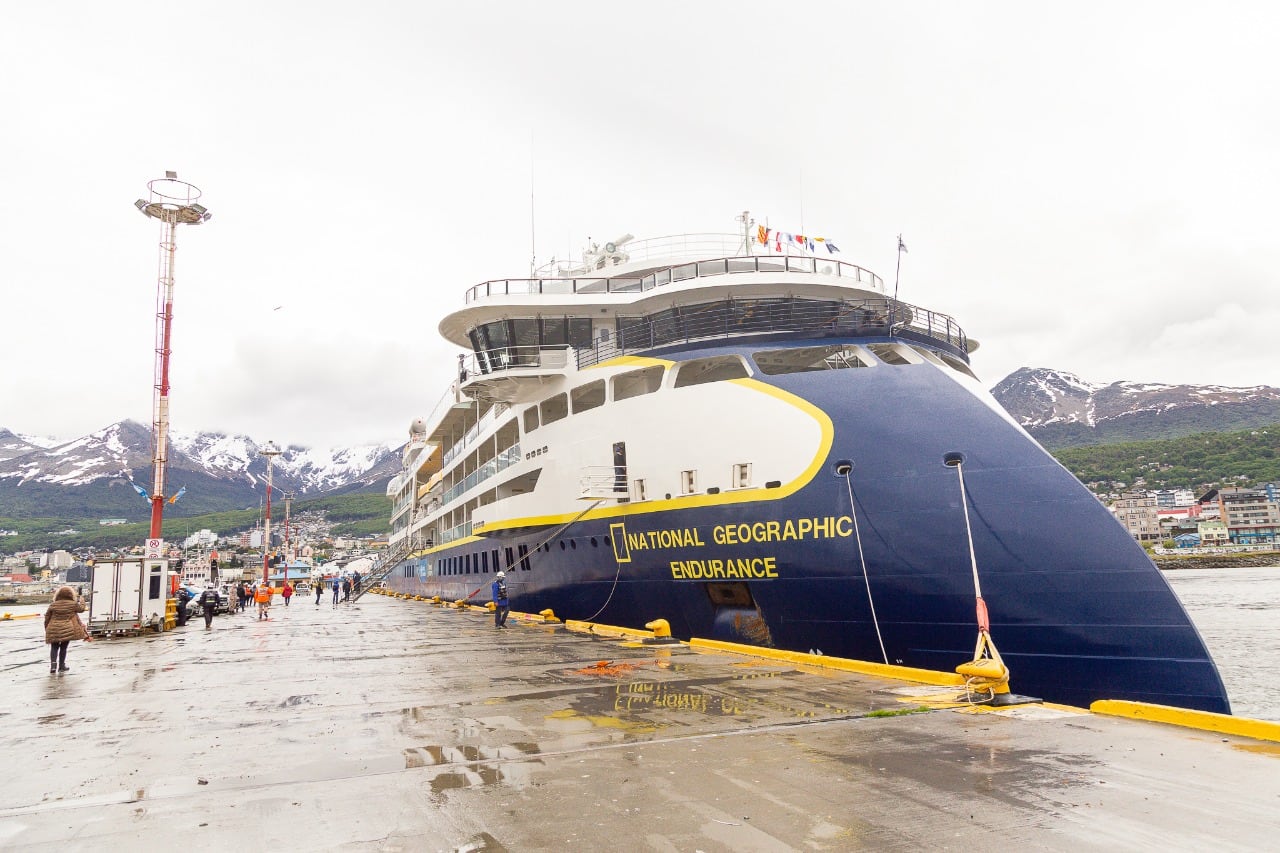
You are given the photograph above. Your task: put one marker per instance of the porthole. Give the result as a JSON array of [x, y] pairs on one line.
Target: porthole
[[562, 546], [594, 543], [573, 544]]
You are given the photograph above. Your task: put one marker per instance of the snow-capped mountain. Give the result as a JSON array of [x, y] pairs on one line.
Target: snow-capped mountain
[[94, 472], [15, 444], [1060, 409]]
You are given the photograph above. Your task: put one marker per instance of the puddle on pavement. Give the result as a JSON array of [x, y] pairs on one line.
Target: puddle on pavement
[[432, 754]]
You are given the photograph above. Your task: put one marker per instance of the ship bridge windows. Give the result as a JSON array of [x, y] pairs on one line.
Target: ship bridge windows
[[555, 332], [587, 396], [894, 354], [516, 343], [531, 421], [810, 359], [635, 383], [700, 371]]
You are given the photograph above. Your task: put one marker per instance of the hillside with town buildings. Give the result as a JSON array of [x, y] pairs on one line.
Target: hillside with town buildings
[[1186, 482]]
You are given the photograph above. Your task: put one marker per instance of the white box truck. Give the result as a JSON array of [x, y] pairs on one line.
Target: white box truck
[[128, 595]]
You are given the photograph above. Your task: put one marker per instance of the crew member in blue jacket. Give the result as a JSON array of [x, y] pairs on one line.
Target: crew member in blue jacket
[[501, 606]]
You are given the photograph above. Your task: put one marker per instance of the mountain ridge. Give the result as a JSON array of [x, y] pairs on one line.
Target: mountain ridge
[[1060, 410], [94, 474]]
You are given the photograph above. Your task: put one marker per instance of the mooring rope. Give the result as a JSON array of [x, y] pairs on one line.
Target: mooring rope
[[857, 534]]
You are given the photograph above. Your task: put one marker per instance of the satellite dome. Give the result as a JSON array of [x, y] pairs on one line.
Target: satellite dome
[[418, 427]]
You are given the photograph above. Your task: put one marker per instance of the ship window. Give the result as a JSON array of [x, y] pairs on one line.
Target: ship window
[[580, 332], [588, 396], [530, 419], [634, 383], [495, 559], [484, 561], [741, 475], [716, 369], [957, 364], [554, 409], [467, 562], [494, 335], [688, 482], [524, 558], [524, 342], [509, 560], [637, 490], [554, 333], [809, 359], [894, 354]]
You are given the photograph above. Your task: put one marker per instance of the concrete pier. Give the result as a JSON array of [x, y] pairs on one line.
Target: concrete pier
[[399, 725]]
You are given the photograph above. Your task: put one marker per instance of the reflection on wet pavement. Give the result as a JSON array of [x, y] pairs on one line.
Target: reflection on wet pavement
[[398, 726]]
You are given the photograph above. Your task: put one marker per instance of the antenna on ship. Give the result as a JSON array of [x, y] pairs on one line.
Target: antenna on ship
[[745, 218], [174, 203], [893, 309], [533, 245]]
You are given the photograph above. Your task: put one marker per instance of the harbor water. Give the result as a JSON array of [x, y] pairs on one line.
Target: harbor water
[[1237, 611]]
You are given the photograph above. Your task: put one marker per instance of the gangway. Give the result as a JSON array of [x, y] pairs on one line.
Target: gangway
[[382, 567]]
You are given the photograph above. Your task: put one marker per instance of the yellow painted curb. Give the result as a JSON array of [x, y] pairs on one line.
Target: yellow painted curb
[[1202, 720], [899, 673], [605, 630]]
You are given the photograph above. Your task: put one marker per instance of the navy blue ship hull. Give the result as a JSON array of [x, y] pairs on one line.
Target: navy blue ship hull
[[1078, 610]]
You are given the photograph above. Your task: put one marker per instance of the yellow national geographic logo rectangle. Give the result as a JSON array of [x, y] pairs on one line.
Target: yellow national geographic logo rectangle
[[621, 550]]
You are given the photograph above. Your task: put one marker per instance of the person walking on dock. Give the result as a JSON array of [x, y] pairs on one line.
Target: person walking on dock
[[287, 592], [346, 589], [184, 598], [337, 585], [319, 590], [502, 606], [264, 601], [62, 625], [208, 603], [242, 596]]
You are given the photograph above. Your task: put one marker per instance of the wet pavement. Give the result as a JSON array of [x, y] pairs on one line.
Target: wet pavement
[[398, 725]]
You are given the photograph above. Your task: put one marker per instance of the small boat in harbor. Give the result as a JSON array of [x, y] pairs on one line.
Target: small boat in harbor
[[770, 449]]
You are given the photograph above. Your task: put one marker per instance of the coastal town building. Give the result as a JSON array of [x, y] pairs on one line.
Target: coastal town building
[[1137, 512], [1250, 516], [1213, 533]]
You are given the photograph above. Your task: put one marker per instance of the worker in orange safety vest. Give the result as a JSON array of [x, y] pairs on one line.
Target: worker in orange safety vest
[[263, 597]]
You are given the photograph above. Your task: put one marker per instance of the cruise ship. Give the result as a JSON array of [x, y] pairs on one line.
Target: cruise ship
[[752, 439]]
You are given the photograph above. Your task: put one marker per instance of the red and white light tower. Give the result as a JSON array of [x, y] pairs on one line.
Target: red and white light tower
[[271, 451], [174, 203]]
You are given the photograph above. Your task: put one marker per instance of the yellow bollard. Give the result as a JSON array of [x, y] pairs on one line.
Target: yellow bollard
[[660, 628]]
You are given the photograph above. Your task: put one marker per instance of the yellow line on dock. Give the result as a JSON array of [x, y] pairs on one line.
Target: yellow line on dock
[[1203, 720], [900, 673]]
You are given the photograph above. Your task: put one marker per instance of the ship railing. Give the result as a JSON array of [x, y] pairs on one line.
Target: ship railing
[[765, 317], [503, 460], [595, 285], [602, 482], [461, 531], [515, 358]]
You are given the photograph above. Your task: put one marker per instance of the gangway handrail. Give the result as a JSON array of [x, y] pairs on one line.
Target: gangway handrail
[[388, 560]]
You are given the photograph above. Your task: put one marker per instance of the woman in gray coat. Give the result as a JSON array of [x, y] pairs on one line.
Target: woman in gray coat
[[62, 625]]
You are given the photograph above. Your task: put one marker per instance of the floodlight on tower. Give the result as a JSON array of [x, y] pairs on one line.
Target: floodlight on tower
[[174, 203]]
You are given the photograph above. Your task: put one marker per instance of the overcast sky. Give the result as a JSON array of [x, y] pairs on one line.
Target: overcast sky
[[1091, 187]]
